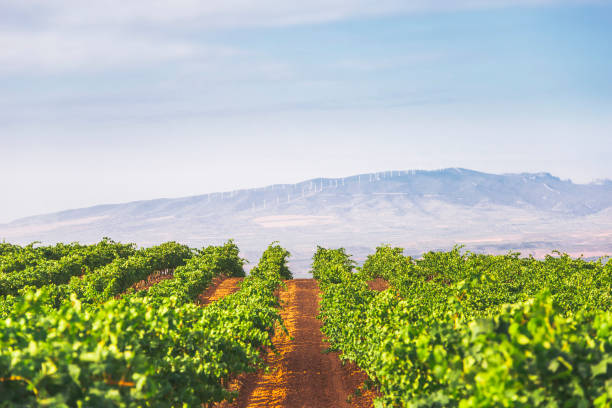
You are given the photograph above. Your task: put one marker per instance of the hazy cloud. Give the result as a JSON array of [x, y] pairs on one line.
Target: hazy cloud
[[61, 50], [234, 12], [43, 36]]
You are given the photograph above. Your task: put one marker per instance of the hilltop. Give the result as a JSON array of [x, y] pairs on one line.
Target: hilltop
[[416, 209]]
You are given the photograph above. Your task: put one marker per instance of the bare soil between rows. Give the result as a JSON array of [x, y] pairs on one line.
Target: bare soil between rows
[[302, 374], [220, 287], [378, 284], [151, 280]]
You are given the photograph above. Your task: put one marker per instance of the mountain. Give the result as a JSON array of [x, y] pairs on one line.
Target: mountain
[[419, 210]]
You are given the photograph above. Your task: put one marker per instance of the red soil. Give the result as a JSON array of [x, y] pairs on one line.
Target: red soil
[[378, 284], [300, 374], [220, 287], [153, 279]]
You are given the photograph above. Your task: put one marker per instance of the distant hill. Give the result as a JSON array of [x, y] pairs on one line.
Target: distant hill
[[419, 210]]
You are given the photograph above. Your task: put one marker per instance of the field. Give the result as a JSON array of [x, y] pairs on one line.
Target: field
[[111, 324]]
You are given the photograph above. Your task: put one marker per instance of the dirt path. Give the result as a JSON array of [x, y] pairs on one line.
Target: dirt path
[[220, 287], [378, 284], [153, 279], [301, 375], [149, 281]]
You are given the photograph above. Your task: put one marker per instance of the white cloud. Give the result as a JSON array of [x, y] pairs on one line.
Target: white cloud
[[232, 13], [44, 36], [61, 50]]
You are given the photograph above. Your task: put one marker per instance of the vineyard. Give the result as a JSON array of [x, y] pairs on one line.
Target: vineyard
[[114, 325]]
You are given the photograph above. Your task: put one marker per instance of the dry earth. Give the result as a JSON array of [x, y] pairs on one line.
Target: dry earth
[[301, 373]]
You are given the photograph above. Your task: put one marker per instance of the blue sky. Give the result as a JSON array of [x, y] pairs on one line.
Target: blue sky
[[113, 101]]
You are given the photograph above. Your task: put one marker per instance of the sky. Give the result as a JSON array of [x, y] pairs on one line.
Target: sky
[[113, 101]]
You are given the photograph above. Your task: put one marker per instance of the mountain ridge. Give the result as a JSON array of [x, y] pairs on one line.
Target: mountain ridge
[[323, 184], [415, 209]]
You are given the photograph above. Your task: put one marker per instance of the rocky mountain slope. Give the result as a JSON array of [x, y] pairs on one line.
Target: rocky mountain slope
[[419, 210]]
